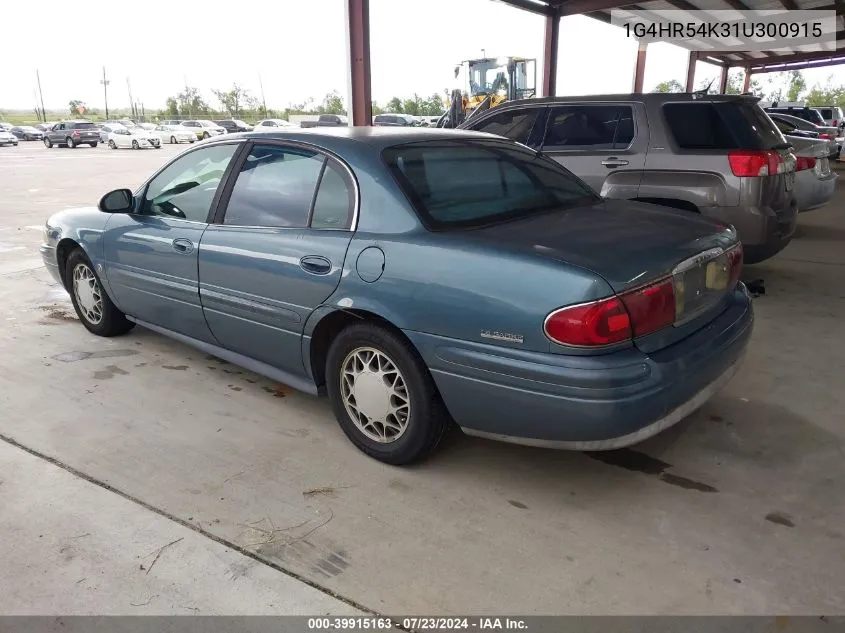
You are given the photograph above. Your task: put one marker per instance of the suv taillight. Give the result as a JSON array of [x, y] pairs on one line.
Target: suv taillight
[[754, 163], [75, 133], [634, 313], [802, 163], [825, 136]]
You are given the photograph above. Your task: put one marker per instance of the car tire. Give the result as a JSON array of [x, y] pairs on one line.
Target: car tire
[[93, 306], [374, 355], [93, 144], [205, 135], [112, 144], [135, 145], [70, 143], [48, 143], [173, 140]]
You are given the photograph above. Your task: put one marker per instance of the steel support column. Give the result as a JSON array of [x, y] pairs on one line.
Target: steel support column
[[639, 67], [552, 35], [746, 84], [723, 79], [359, 91], [693, 58]]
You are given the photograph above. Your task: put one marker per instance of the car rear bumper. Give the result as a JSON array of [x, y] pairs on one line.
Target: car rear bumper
[[812, 192], [586, 402]]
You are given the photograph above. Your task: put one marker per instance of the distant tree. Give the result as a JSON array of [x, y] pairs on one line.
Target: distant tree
[[171, 107], [377, 109], [796, 85], [76, 107], [235, 100], [827, 94], [191, 103], [412, 106], [673, 85], [432, 106], [332, 104], [395, 105]]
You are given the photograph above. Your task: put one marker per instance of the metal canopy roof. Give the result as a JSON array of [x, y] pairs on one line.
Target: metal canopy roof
[[806, 55]]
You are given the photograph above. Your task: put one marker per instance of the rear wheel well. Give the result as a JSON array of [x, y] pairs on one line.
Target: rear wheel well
[[332, 325], [63, 251], [674, 203]]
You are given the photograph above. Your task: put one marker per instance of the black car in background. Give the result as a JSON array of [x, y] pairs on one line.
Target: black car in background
[[27, 133], [234, 125], [72, 133]]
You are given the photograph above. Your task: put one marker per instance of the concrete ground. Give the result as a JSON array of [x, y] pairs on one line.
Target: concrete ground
[[114, 448]]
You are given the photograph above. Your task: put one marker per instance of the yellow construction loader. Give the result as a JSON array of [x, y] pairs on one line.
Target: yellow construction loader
[[487, 82]]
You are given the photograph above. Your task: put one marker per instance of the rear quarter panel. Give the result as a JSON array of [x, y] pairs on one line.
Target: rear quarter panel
[[701, 178]]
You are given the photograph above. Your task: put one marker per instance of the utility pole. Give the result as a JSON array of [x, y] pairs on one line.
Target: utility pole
[[105, 83], [41, 95], [263, 101], [131, 101], [188, 98]]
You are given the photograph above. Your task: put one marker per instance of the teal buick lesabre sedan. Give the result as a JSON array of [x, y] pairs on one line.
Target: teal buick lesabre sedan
[[420, 278]]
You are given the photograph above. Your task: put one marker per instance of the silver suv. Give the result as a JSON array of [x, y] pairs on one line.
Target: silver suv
[[718, 155]]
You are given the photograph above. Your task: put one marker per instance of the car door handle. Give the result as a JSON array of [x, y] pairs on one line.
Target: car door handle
[[614, 162], [183, 245], [315, 264]]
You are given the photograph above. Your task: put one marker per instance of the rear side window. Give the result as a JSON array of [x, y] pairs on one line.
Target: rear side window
[[274, 188], [827, 113], [513, 124], [721, 126], [334, 201], [590, 127], [470, 183]]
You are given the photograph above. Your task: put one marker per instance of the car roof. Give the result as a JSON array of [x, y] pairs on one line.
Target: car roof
[[659, 97], [339, 138]]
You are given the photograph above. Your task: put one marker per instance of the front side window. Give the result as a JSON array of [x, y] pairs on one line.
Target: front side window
[[513, 124], [590, 127], [471, 183], [185, 189], [275, 187]]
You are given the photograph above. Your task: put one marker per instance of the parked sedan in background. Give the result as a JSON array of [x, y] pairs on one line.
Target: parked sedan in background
[[424, 277], [7, 138], [395, 120], [796, 126], [135, 138], [815, 182], [107, 128], [204, 129], [5, 127], [269, 125], [72, 134], [234, 125], [27, 133], [175, 134]]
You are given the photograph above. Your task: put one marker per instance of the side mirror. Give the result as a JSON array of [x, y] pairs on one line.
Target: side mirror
[[117, 201]]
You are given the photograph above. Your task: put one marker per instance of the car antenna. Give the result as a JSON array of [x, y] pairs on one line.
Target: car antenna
[[703, 92]]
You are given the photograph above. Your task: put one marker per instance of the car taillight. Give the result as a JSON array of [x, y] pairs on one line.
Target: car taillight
[[745, 163], [651, 308], [602, 322], [803, 163], [825, 136], [75, 133], [734, 264], [648, 309]]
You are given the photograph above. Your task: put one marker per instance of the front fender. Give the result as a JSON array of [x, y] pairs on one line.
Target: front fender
[[85, 227]]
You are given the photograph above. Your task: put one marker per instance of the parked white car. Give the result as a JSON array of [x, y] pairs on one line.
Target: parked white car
[[135, 138], [175, 134], [268, 125], [204, 128]]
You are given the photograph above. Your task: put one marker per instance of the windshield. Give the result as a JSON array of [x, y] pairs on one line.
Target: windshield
[[471, 183], [487, 77]]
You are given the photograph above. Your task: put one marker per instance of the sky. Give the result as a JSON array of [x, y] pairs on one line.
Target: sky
[[298, 50]]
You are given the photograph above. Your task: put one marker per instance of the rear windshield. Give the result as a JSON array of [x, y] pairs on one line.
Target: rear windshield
[[84, 126], [471, 183], [722, 125]]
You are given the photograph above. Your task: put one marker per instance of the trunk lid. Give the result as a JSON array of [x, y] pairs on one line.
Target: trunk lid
[[631, 245], [626, 243]]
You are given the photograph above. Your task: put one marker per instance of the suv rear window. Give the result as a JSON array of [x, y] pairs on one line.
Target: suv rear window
[[471, 183], [83, 126], [722, 125]]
